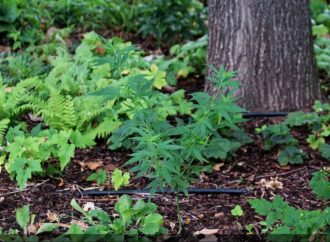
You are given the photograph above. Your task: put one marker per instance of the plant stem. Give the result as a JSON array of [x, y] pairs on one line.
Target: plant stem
[[178, 213]]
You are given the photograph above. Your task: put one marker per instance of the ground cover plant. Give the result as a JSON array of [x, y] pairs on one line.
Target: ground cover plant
[[82, 109]]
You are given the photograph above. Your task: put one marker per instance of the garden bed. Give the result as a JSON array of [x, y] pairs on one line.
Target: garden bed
[[247, 170]]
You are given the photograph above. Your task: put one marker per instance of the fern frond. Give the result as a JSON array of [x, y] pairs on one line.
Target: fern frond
[[3, 128], [104, 129], [59, 112]]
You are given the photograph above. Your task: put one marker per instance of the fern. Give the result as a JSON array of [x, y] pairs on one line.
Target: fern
[[104, 129], [59, 112], [3, 127]]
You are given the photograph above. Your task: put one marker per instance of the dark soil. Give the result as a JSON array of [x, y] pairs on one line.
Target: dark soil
[[250, 165]]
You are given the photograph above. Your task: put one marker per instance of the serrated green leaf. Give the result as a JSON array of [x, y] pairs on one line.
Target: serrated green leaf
[[237, 211], [325, 151], [119, 179], [320, 184], [65, 153], [151, 224]]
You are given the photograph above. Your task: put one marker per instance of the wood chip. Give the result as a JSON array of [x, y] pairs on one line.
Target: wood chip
[[206, 232], [52, 217], [219, 215], [218, 166]]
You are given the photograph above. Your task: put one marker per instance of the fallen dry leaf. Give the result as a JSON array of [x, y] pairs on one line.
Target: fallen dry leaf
[[218, 166], [187, 221], [35, 118], [88, 206], [92, 165], [8, 89], [80, 223], [110, 167], [52, 217], [273, 184], [206, 232], [61, 183], [219, 215], [32, 228], [172, 226], [200, 215]]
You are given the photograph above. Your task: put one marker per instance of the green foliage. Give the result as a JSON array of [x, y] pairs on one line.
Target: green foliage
[[71, 103], [321, 29], [186, 59], [23, 217], [278, 136], [100, 177], [291, 155], [134, 220], [28, 21], [317, 123], [21, 21], [119, 179], [172, 20], [287, 223], [237, 211], [172, 154], [16, 67], [321, 185], [114, 93]]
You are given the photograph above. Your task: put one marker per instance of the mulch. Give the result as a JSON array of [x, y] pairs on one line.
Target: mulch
[[245, 170]]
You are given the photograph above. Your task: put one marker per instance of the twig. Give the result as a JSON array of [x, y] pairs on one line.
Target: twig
[[26, 189], [281, 174]]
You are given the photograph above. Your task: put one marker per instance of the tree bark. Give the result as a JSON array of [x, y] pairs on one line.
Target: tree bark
[[270, 44]]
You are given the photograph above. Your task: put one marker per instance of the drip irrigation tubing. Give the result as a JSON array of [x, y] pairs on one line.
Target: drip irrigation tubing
[[264, 114], [146, 191]]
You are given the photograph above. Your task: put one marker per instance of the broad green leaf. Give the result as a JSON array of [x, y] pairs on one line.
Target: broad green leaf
[[23, 216], [77, 207], [47, 227], [321, 185], [23, 168], [65, 153], [151, 224], [262, 206]]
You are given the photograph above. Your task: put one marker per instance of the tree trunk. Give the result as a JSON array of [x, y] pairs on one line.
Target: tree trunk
[[270, 44]]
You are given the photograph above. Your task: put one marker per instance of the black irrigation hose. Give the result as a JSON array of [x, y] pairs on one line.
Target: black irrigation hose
[[264, 114], [190, 191]]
